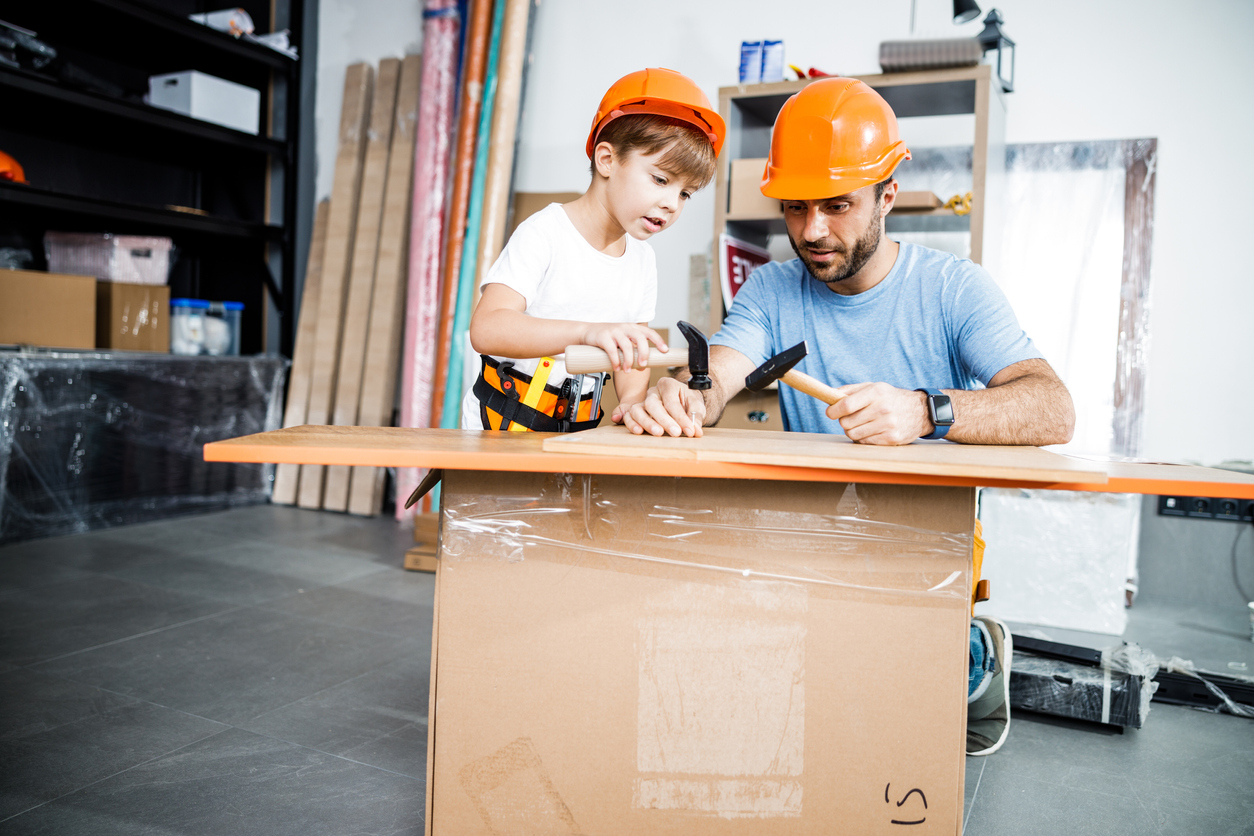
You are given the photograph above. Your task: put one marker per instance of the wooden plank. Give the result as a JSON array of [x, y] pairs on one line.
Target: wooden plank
[[287, 476], [441, 36], [361, 277], [383, 345], [504, 133], [835, 452], [341, 226]]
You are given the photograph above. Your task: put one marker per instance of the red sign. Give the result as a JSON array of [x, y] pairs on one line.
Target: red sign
[[737, 259]]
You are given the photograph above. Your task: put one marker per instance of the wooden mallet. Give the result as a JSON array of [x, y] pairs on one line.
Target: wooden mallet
[[780, 367]]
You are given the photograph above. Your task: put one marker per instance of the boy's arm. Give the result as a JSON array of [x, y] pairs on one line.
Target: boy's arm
[[631, 388], [499, 326]]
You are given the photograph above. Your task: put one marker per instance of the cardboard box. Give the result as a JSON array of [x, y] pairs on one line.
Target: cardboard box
[[917, 202], [745, 198], [47, 309], [637, 654], [134, 317], [208, 98], [753, 411]]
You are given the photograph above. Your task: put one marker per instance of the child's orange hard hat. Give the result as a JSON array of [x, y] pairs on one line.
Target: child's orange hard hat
[[659, 92], [835, 136]]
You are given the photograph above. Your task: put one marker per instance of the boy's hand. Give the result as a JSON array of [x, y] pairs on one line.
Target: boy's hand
[[622, 341]]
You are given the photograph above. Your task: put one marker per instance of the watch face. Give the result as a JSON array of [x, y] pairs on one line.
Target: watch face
[[942, 410]]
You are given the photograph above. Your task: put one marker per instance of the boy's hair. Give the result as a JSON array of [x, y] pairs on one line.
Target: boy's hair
[[688, 151]]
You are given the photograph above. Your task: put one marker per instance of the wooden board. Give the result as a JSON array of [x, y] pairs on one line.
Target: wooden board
[[361, 276], [933, 458], [341, 226], [287, 476], [383, 344], [438, 90], [504, 132], [459, 450]]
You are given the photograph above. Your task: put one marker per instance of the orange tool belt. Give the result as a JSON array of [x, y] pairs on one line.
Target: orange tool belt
[[502, 390]]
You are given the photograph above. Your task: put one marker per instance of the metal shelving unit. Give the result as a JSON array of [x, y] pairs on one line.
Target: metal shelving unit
[[110, 163]]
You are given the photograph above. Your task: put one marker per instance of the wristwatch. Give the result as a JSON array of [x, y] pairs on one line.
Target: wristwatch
[[940, 410]]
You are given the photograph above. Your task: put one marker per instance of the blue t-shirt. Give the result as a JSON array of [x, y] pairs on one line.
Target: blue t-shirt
[[936, 321]]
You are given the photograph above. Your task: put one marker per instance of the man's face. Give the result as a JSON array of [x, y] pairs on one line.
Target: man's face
[[836, 237]]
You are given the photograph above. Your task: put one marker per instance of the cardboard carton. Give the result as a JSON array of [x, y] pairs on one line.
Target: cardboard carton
[[47, 309], [636, 654], [134, 317], [745, 198]]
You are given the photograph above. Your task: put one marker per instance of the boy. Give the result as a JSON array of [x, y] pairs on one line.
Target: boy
[[581, 273]]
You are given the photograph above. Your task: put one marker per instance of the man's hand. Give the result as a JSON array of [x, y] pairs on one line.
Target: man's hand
[[625, 338], [670, 408], [876, 413]]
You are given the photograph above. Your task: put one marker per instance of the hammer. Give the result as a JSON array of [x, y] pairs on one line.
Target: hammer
[[780, 367]]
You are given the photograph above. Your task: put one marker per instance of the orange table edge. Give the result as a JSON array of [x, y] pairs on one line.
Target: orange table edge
[[286, 447]]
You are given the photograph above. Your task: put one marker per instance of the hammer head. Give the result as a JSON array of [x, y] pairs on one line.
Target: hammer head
[[775, 368], [698, 356]]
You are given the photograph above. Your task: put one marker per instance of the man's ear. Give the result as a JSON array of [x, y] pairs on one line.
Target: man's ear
[[890, 197], [603, 158]]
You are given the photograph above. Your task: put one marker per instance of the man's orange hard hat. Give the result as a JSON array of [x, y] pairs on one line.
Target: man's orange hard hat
[[11, 169], [659, 92], [835, 136]]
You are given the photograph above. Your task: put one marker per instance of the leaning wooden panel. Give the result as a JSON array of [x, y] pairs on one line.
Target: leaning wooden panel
[[341, 226], [361, 278], [287, 476], [387, 311]]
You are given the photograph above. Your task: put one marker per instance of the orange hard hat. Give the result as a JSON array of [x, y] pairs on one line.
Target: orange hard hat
[[835, 136], [11, 170], [659, 92]]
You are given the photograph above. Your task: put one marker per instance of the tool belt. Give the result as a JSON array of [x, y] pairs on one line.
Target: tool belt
[[507, 401]]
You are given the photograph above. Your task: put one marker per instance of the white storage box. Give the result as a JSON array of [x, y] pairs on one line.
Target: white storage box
[[207, 98], [198, 327], [129, 259]]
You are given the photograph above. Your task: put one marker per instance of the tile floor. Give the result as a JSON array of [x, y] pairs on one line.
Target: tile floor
[[265, 671]]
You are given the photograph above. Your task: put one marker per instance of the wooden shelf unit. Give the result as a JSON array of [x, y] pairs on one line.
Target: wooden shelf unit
[[750, 112]]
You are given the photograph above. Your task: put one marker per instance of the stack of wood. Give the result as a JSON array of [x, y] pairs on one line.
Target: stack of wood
[[347, 353]]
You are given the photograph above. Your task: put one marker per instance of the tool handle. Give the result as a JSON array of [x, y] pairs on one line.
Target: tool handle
[[586, 359], [815, 389]]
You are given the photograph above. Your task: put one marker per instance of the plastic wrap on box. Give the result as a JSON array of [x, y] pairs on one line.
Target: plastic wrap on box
[[1059, 558], [90, 440], [131, 259], [1118, 693], [703, 641]]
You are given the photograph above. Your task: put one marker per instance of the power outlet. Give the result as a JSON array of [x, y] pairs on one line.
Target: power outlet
[[1206, 508]]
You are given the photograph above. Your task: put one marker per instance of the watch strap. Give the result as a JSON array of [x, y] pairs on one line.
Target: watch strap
[[938, 430]]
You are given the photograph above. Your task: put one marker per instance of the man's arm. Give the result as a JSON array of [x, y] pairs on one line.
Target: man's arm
[[1024, 404], [671, 408]]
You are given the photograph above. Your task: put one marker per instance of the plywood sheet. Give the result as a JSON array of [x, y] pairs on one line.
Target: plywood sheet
[[387, 308], [935, 458], [341, 227], [287, 476], [361, 276]]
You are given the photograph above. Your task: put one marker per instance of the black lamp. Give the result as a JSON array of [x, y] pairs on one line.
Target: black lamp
[[965, 10], [993, 38]]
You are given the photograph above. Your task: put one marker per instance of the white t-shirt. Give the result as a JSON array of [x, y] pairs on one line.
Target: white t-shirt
[[561, 276]]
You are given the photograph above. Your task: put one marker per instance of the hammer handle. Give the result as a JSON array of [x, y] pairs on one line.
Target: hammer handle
[[587, 359], [804, 383]]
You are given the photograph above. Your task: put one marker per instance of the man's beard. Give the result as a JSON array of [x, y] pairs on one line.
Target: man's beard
[[837, 271]]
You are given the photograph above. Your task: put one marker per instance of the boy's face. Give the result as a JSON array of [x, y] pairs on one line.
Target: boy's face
[[643, 198]]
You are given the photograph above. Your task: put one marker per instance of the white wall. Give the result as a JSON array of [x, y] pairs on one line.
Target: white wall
[[1114, 69], [350, 31]]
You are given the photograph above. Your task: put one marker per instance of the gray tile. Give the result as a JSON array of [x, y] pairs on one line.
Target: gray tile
[[342, 717], [53, 619], [32, 703], [92, 552], [240, 784], [390, 601], [42, 766], [312, 565], [22, 571], [975, 770], [403, 751], [235, 665]]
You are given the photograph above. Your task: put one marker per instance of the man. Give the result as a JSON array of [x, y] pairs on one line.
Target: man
[[920, 343]]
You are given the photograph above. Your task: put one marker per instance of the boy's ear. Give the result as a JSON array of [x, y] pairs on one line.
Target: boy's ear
[[603, 158]]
